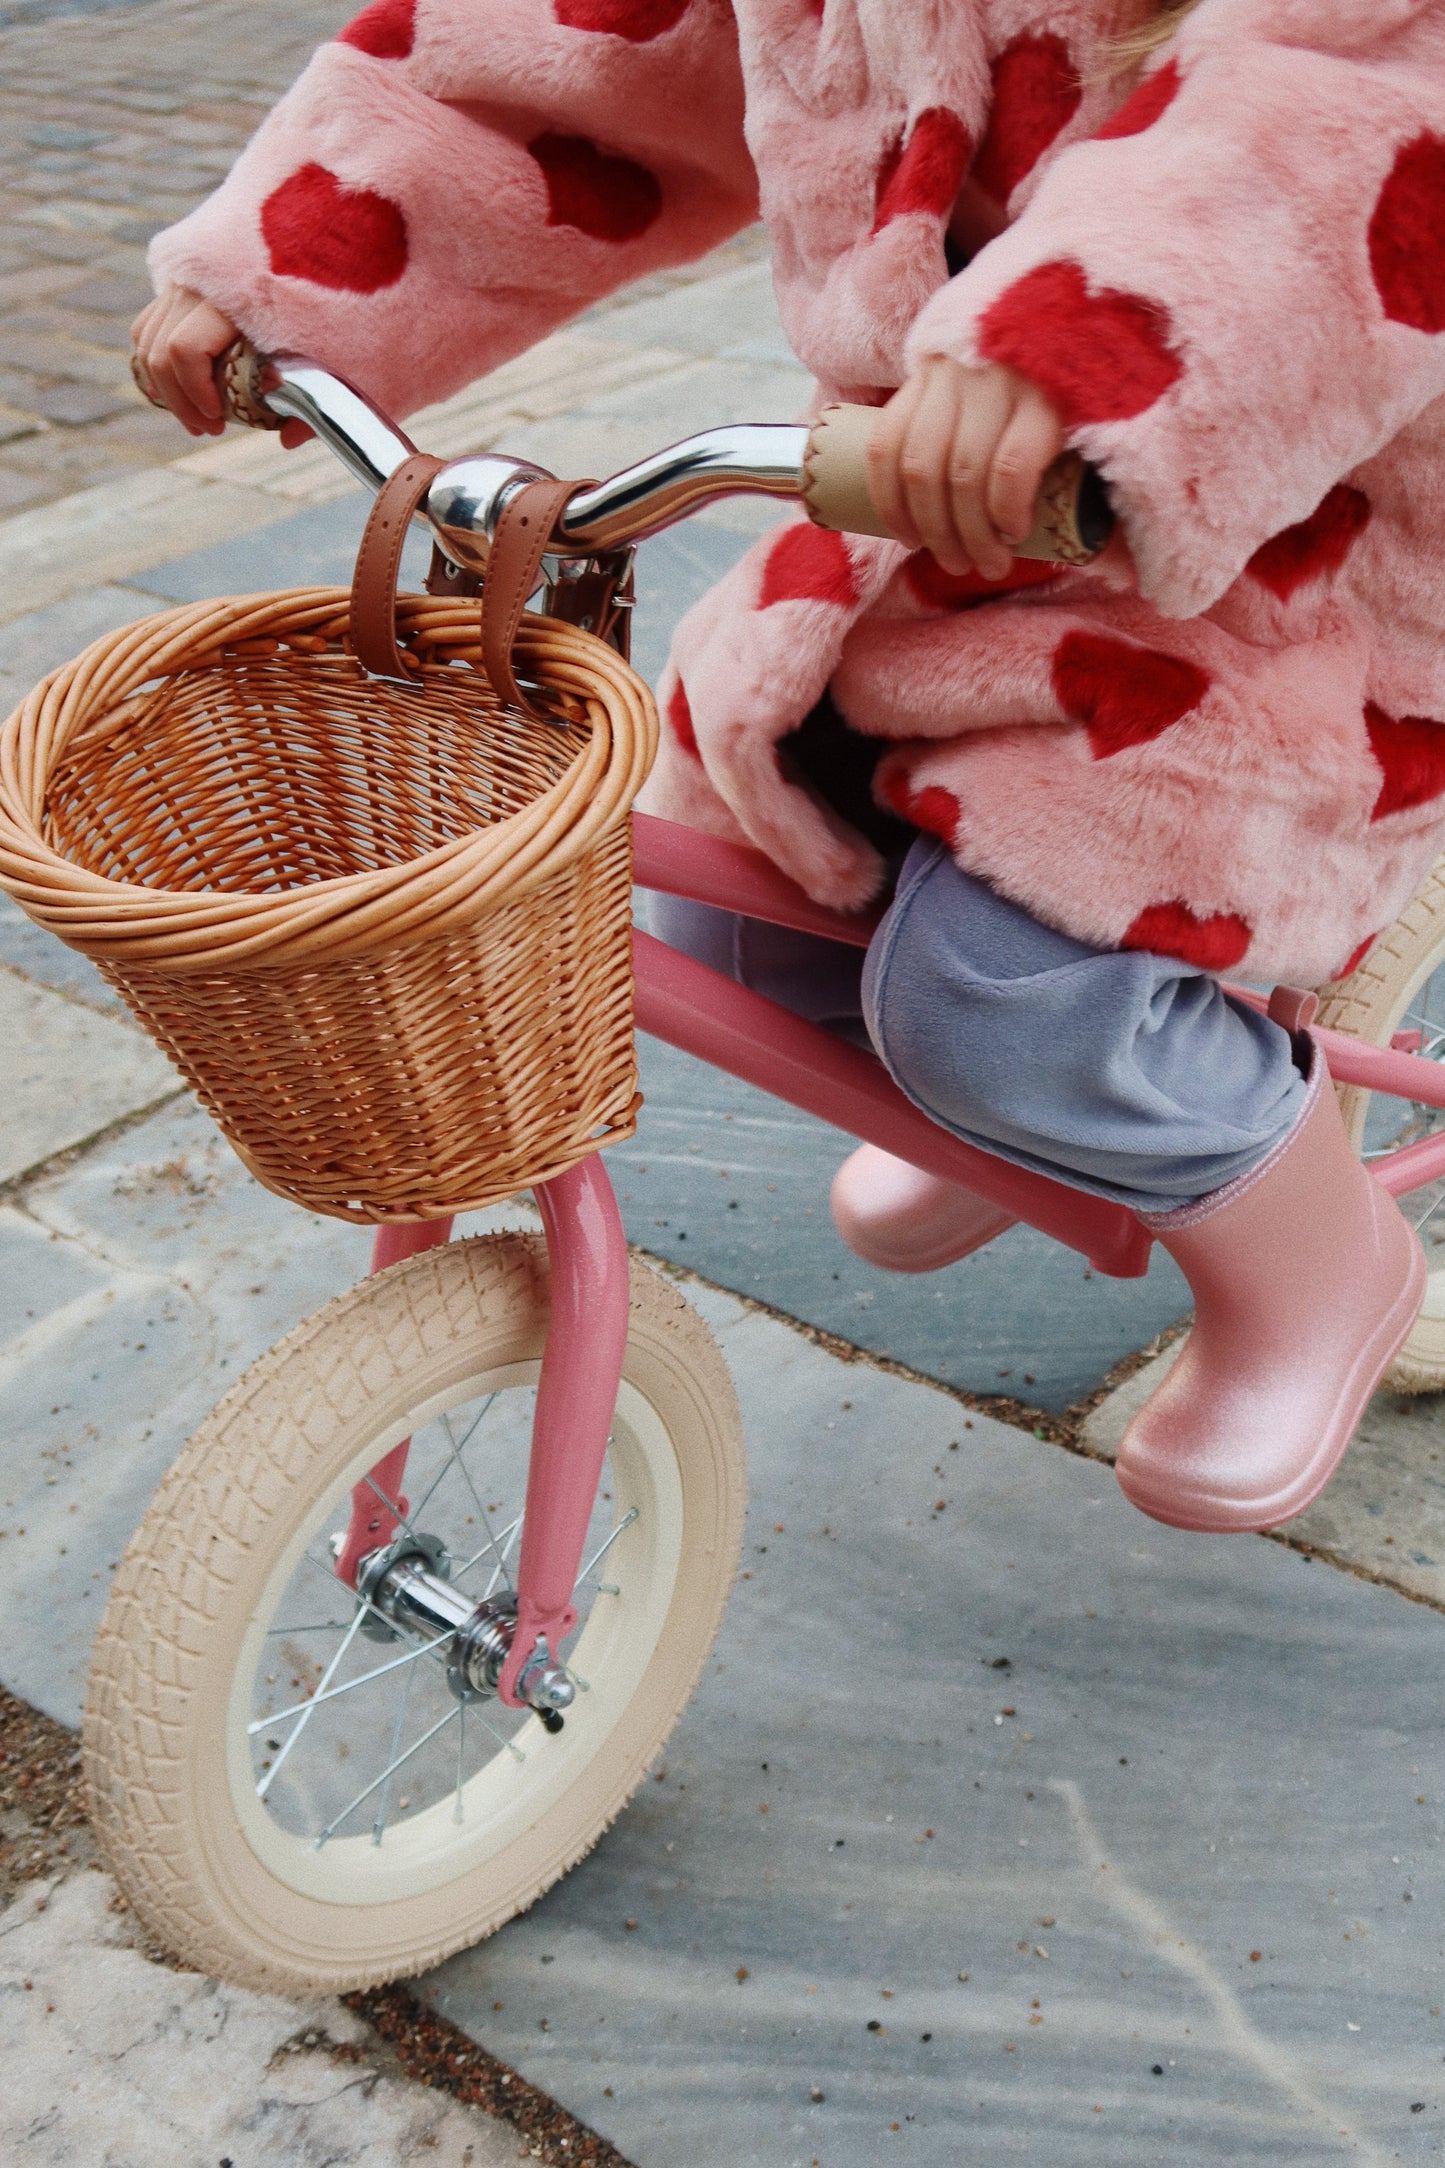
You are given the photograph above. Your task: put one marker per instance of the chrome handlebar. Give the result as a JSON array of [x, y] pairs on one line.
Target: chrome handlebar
[[465, 500], [824, 466]]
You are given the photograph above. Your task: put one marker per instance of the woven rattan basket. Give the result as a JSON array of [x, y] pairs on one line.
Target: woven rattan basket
[[382, 931]]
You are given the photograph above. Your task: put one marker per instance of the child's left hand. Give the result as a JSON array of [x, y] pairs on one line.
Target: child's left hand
[[956, 461]]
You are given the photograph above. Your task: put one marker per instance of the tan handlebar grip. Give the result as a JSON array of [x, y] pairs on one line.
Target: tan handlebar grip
[[239, 373], [835, 471], [1072, 518]]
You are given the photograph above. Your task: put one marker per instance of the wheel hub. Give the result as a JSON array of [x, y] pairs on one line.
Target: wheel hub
[[407, 1588]]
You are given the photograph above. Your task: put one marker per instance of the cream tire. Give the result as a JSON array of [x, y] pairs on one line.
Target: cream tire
[[209, 1870], [1372, 1004]]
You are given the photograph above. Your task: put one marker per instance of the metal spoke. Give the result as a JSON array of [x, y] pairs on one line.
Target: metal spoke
[[389, 1771], [325, 1625], [379, 1826], [461, 1750], [500, 1736], [435, 1482], [477, 1421], [1429, 1213], [499, 1571], [264, 1723], [598, 1555], [303, 1711], [506, 1537], [471, 1486]]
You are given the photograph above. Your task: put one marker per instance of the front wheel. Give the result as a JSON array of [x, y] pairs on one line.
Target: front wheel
[[292, 1796]]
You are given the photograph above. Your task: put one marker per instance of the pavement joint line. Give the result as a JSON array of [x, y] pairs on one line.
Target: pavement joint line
[[1063, 1430], [70, 1155], [77, 1001], [1050, 1427]]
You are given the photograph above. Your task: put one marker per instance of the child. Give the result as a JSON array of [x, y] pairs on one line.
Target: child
[[1203, 243]]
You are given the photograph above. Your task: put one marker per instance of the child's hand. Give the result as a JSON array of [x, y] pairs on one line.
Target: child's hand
[[178, 340], [956, 462]]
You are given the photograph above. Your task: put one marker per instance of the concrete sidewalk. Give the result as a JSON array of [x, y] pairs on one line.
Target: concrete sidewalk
[[114, 2059]]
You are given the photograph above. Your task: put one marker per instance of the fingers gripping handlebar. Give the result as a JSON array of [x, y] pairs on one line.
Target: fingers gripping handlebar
[[824, 467]]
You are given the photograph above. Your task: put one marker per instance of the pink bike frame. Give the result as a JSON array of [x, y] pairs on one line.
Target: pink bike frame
[[706, 1015]]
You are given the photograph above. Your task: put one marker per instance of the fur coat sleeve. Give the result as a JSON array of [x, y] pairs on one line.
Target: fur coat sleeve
[[1234, 292], [446, 184]]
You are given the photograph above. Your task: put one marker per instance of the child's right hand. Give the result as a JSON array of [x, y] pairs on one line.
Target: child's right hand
[[178, 339], [956, 461]]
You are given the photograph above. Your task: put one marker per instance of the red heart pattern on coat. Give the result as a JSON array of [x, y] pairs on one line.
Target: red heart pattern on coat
[[924, 174], [1101, 357], [1407, 237], [940, 590], [1150, 102], [1316, 547], [1411, 752], [808, 564], [350, 239], [1036, 93], [679, 716], [386, 30], [607, 197], [1212, 943], [637, 20], [933, 809], [1123, 694]]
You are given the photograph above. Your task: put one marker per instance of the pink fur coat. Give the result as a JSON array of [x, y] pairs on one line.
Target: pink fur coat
[[1229, 275]]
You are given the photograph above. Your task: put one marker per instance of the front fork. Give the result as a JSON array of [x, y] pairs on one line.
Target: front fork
[[576, 1397]]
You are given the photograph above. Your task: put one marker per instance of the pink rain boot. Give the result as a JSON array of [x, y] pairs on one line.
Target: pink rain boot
[[896, 1216], [1306, 1280]]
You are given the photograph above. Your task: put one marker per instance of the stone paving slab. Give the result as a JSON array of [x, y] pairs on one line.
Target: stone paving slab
[[137, 1284], [68, 1074], [1172, 1804], [114, 2060], [1384, 1510], [117, 529]]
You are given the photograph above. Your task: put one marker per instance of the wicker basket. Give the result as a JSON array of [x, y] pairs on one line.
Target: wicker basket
[[383, 932]]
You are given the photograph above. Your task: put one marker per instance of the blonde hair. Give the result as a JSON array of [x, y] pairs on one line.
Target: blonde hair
[[1132, 46]]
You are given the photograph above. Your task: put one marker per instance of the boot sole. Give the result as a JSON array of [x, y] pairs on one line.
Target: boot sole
[[1233, 1516]]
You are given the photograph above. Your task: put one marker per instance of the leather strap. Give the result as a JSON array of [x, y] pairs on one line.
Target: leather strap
[[378, 561], [521, 538]]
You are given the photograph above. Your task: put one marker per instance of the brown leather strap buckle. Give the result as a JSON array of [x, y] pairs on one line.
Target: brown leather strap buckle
[[523, 533], [378, 561]]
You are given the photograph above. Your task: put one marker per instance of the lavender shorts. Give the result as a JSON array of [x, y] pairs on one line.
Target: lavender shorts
[[1129, 1075]]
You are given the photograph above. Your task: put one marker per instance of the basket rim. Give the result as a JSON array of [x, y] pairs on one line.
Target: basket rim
[[124, 923]]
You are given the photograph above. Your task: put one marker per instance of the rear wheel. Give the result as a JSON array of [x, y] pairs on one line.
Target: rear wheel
[[290, 1793], [1400, 988]]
